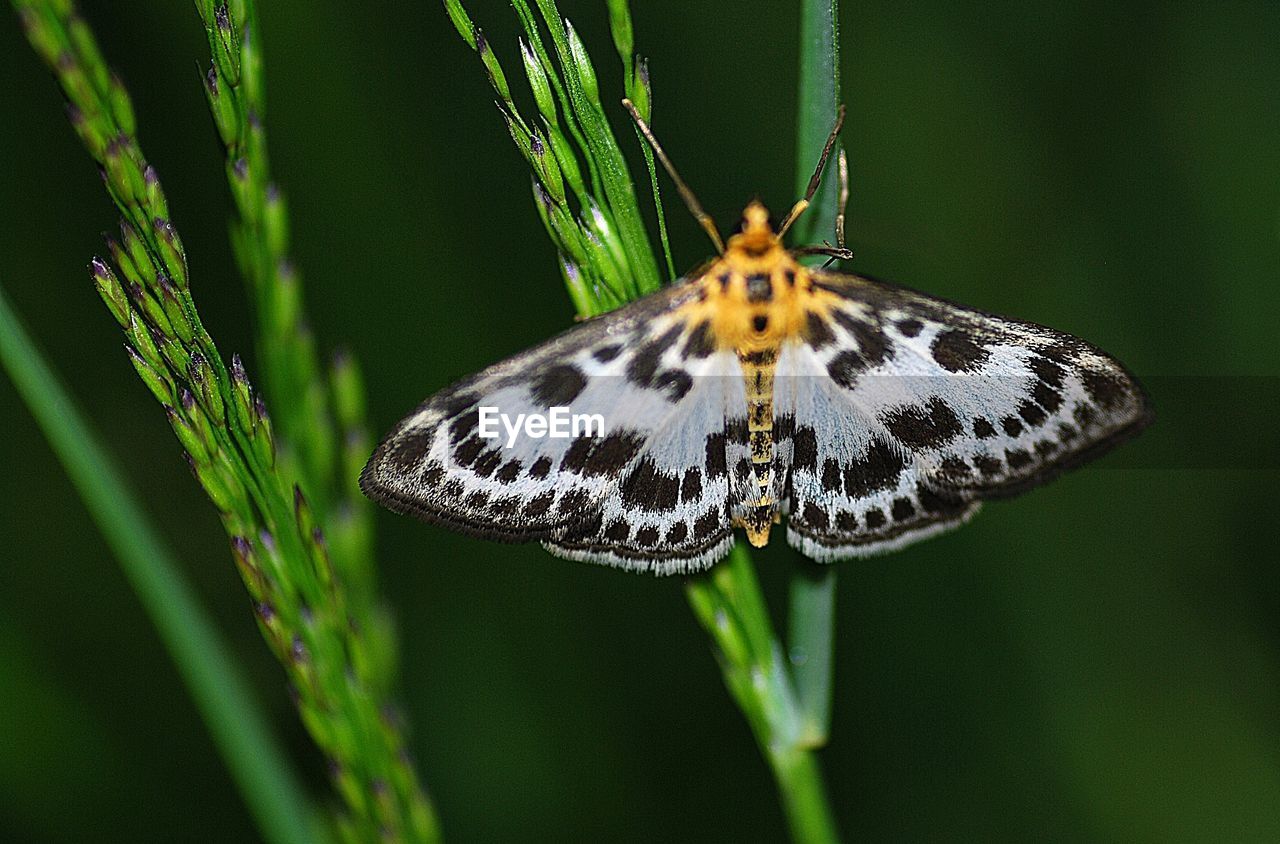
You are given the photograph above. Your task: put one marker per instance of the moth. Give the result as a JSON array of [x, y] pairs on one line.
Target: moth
[[756, 390]]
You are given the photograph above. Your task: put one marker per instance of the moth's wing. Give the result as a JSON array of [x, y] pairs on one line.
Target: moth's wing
[[630, 368], [852, 488], [435, 465], [921, 408], [669, 512]]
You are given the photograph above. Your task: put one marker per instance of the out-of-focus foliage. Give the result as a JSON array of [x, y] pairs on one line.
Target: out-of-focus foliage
[[1095, 660]]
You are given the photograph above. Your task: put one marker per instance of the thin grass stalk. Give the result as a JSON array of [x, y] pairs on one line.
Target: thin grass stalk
[[727, 600], [811, 611], [278, 541], [323, 434], [263, 774]]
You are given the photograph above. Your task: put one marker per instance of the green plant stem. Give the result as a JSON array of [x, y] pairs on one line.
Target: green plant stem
[[728, 602], [321, 415], [811, 616], [267, 782], [279, 541]]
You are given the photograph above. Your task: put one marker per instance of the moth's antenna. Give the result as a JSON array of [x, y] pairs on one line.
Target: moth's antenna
[[695, 207], [800, 206]]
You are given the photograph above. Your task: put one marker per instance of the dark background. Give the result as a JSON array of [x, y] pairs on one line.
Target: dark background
[[1097, 660]]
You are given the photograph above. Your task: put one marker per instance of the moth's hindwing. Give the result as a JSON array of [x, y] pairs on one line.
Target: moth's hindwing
[[650, 494], [910, 410]]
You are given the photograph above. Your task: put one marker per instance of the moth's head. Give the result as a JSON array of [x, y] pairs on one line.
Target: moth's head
[[755, 235]]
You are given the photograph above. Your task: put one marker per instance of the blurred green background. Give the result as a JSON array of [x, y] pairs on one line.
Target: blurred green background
[[1097, 660]]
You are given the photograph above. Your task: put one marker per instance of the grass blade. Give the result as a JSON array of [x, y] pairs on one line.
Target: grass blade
[[813, 588], [260, 769]]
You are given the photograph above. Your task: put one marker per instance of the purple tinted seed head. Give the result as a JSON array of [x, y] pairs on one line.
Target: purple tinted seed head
[[187, 399], [260, 408], [482, 44], [222, 19], [273, 192], [267, 541], [241, 169], [150, 176], [237, 369], [241, 546], [378, 786], [285, 270], [66, 61], [255, 122], [99, 268], [536, 146], [298, 650], [299, 500], [317, 536], [211, 81], [266, 612]]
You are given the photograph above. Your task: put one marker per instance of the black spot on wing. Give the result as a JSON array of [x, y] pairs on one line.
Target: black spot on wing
[[466, 452], [830, 475], [1105, 388], [1046, 396], [815, 517], [707, 524], [647, 487], [817, 333], [845, 368], [647, 536], [677, 533], [987, 464], [466, 422], [804, 453], [618, 531], [903, 509], [644, 365], [983, 429], [1048, 371], [956, 351], [873, 345], [539, 505], [691, 486], [877, 469], [930, 426], [700, 342], [509, 471], [1032, 414], [1017, 458], [558, 385], [875, 518], [1011, 425], [715, 463], [540, 468], [604, 354], [608, 455], [909, 327]]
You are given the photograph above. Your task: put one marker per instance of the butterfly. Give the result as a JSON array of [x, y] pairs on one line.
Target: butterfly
[[757, 389]]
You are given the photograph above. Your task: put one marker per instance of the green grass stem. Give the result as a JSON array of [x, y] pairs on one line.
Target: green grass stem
[[262, 772], [726, 600], [279, 538], [811, 616]]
